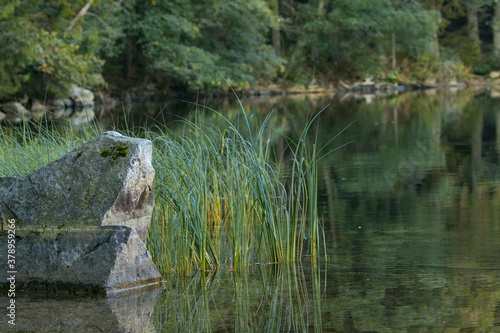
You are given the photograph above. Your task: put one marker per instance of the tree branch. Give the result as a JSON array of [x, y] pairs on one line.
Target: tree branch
[[82, 12]]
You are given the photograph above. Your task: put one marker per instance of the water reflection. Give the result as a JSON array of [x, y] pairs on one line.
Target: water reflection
[[411, 212], [127, 312], [72, 116], [411, 216], [266, 298]]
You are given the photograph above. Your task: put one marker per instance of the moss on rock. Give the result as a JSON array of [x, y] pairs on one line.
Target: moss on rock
[[115, 152]]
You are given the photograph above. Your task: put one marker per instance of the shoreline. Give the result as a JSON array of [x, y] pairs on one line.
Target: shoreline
[[30, 107]]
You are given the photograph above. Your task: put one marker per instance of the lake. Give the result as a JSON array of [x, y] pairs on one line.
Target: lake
[[409, 200], [410, 206]]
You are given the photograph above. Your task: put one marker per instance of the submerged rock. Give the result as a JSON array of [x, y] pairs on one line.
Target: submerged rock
[[82, 220]]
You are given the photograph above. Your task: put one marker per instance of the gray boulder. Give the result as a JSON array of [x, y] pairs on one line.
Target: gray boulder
[[495, 75], [81, 221], [15, 108], [82, 97], [14, 112], [37, 110], [94, 260], [106, 181]]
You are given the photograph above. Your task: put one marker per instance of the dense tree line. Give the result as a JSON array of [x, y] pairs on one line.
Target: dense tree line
[[198, 44]]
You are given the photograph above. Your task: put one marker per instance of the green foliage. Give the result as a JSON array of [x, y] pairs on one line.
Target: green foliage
[[8, 7], [465, 47], [45, 52], [103, 29], [451, 66], [414, 27], [16, 53], [351, 36], [58, 64], [192, 41], [487, 63], [449, 10], [192, 45], [446, 68]]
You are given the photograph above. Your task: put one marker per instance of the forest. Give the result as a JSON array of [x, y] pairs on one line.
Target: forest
[[208, 45]]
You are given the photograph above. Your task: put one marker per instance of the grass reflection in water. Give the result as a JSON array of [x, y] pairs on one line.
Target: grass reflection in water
[[264, 298]]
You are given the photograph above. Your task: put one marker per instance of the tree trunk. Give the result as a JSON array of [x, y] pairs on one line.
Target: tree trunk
[[276, 31], [496, 30], [473, 22], [314, 49], [277, 41], [321, 7], [393, 53], [435, 43], [129, 55]]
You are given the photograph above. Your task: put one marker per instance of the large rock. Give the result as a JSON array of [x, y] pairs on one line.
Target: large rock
[[106, 181], [81, 221], [495, 75], [94, 259]]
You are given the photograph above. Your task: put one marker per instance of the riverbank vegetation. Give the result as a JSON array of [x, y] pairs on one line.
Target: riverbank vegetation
[[168, 46], [223, 197]]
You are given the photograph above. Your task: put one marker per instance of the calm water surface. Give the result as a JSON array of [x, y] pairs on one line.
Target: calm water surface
[[411, 215], [410, 207]]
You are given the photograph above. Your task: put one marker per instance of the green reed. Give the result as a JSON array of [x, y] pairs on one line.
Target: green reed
[[222, 197]]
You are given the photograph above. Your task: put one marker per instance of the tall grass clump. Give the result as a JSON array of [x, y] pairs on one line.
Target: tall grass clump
[[222, 197], [30, 146]]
